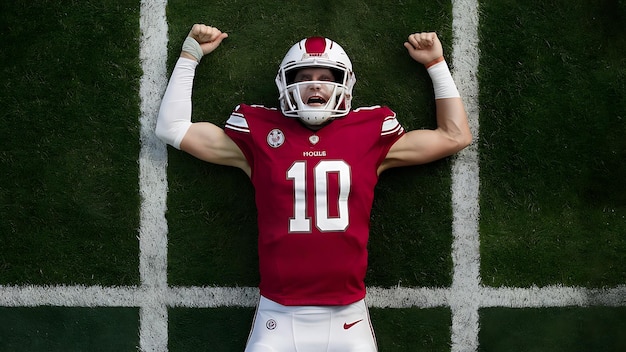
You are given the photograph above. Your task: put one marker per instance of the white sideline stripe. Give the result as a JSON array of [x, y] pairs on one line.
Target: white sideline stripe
[[211, 297], [465, 292], [153, 327]]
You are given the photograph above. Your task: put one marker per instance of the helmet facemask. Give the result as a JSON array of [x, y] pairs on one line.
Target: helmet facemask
[[335, 95]]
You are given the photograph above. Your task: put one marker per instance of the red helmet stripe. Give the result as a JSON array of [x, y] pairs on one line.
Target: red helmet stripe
[[315, 46]]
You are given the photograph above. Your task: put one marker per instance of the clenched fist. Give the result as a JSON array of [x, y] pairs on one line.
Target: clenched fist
[[424, 47], [208, 37]]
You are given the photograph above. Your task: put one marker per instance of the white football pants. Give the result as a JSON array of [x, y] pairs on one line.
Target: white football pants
[[278, 328]]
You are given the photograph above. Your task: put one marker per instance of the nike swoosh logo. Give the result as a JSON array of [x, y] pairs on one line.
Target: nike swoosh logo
[[347, 326]]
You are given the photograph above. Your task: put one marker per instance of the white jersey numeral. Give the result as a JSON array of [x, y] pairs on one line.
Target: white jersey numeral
[[300, 222], [323, 221]]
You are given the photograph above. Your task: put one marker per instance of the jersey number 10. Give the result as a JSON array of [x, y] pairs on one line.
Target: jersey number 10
[[323, 221]]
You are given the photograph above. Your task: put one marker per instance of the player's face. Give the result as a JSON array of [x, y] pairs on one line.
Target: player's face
[[316, 93]]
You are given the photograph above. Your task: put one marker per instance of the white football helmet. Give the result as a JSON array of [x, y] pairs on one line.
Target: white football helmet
[[315, 52]]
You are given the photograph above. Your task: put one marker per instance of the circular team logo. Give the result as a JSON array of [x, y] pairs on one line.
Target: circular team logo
[[270, 324], [275, 138]]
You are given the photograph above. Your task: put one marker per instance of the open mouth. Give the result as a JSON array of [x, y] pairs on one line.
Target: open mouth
[[316, 101]]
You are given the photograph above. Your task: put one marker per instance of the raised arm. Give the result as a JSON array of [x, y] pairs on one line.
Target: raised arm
[[452, 133], [203, 140]]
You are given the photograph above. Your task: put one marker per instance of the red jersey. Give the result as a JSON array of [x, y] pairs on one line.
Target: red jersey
[[314, 192]]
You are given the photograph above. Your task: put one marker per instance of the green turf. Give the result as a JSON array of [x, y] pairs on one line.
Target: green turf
[[60, 329], [553, 329], [553, 196], [412, 329], [69, 142], [214, 329]]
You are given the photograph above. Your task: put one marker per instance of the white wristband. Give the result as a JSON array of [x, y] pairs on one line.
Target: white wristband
[[191, 46], [443, 84]]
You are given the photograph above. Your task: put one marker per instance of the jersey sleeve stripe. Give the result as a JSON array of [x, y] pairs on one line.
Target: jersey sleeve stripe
[[237, 122], [391, 126]]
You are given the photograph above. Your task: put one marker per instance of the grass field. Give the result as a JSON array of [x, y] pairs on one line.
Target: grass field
[[110, 241]]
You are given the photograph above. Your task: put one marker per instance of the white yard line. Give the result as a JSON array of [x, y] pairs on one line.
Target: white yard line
[[153, 178], [211, 297], [465, 290], [552, 296], [406, 297], [70, 296]]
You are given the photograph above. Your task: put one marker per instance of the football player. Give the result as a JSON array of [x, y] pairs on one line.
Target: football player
[[314, 162]]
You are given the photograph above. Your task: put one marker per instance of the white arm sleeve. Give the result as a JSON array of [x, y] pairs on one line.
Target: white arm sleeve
[[175, 113]]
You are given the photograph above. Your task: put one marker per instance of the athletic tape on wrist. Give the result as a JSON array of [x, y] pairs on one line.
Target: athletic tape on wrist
[[443, 84], [191, 46]]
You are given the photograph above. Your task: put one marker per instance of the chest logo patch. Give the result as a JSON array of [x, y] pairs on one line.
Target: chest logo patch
[[275, 138], [314, 139]]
